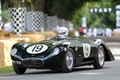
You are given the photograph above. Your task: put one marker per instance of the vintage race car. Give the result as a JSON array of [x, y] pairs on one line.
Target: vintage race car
[[60, 54]]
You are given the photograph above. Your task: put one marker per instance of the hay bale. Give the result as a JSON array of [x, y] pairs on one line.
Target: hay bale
[[5, 48], [4, 34], [6, 43], [49, 34], [38, 36], [46, 34], [20, 39], [34, 37], [1, 54]]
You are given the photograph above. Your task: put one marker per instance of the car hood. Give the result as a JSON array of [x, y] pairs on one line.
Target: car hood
[[49, 43], [42, 48]]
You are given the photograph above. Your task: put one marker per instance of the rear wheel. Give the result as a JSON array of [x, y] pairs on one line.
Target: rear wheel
[[100, 58], [18, 70], [68, 62]]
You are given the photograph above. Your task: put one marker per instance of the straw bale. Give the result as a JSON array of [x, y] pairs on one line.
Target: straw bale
[[7, 40], [34, 37], [45, 33], [38, 36], [4, 34], [1, 54], [49, 34], [20, 39], [116, 33], [5, 48]]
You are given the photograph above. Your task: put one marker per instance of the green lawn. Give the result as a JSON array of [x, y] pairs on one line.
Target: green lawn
[[6, 69]]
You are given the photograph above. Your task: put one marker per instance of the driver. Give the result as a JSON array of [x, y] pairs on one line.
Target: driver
[[63, 32]]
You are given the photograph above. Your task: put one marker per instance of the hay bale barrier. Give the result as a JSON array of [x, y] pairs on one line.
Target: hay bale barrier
[[1, 54], [7, 40], [5, 47], [116, 33]]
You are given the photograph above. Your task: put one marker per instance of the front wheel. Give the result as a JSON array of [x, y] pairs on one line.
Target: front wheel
[[18, 70], [68, 62], [99, 59]]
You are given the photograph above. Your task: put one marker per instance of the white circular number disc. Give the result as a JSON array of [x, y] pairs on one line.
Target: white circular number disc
[[36, 49], [86, 50]]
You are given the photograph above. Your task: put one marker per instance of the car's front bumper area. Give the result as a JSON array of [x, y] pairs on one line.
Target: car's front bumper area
[[32, 62], [38, 63]]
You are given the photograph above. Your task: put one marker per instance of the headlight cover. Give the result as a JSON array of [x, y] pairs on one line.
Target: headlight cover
[[56, 51], [14, 51]]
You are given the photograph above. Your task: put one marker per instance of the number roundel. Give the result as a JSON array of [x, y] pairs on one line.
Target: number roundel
[[86, 50], [38, 48]]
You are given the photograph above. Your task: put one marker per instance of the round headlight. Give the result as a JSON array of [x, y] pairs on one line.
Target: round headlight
[[56, 51], [13, 51]]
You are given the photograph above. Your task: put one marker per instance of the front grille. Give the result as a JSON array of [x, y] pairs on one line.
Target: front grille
[[33, 62]]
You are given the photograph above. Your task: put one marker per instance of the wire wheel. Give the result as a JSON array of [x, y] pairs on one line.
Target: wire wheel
[[99, 58], [69, 59], [68, 62]]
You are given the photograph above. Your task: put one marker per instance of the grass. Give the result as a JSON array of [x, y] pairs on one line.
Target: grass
[[6, 69]]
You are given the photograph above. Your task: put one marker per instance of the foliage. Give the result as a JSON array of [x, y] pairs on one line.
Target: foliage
[[15, 3], [72, 10], [62, 8], [5, 16], [101, 20], [35, 5], [4, 6]]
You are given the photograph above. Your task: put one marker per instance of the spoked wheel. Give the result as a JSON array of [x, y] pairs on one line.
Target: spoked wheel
[[68, 62], [99, 59], [18, 70]]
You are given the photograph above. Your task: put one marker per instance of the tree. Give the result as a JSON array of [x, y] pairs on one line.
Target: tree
[[96, 19], [72, 10], [15, 3], [35, 5], [62, 8]]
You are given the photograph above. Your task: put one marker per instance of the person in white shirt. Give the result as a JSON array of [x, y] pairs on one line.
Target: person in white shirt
[[95, 32]]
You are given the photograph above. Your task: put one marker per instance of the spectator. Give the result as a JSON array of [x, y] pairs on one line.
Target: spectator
[[89, 32], [8, 27], [108, 32], [95, 32], [81, 31]]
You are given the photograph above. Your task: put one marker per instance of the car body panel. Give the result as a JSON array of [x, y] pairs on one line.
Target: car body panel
[[41, 54]]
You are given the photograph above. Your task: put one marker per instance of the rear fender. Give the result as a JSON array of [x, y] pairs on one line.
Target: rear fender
[[108, 54]]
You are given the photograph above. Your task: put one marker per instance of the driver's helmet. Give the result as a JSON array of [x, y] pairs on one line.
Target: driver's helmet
[[63, 32]]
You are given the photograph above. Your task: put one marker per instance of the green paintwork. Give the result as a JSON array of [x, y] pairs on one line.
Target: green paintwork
[[51, 60]]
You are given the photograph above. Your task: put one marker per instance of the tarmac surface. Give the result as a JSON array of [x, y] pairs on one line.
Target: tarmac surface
[[109, 72], [115, 49]]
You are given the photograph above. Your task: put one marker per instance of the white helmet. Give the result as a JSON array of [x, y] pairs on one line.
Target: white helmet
[[63, 32]]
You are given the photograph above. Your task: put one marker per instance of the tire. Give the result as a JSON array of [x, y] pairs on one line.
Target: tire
[[99, 58], [68, 62], [18, 70]]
